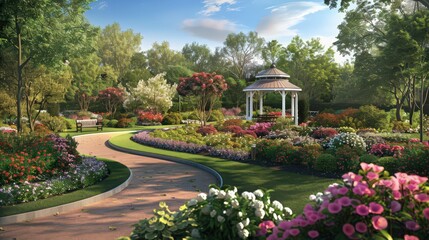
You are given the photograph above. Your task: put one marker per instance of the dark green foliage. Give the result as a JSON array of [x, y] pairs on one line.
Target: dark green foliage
[[414, 159], [112, 123], [372, 117], [326, 163], [390, 164], [124, 123], [368, 158], [53, 109], [348, 158], [303, 110], [216, 116], [172, 119]]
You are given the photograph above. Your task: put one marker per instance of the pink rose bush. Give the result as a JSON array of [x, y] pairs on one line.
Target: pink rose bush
[[367, 205]]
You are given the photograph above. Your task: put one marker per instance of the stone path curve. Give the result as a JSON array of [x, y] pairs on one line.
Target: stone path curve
[[154, 180]]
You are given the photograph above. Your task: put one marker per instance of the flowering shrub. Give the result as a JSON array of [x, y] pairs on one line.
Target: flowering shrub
[[32, 157], [220, 214], [231, 154], [233, 122], [231, 111], [326, 120], [414, 159], [206, 130], [346, 129], [382, 150], [284, 134], [220, 139], [246, 133], [351, 139], [89, 172], [184, 134], [7, 130], [261, 129], [146, 139], [124, 123], [145, 117], [322, 133], [233, 129], [368, 205]]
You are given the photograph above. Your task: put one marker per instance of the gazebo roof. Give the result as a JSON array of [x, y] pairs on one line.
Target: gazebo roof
[[272, 73], [272, 79]]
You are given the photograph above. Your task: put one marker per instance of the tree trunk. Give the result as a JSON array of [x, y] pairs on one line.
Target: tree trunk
[[19, 92]]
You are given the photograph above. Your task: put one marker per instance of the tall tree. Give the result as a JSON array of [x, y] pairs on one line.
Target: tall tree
[[198, 55], [272, 52], [41, 31], [116, 48], [160, 56], [137, 70], [240, 50], [344, 4]]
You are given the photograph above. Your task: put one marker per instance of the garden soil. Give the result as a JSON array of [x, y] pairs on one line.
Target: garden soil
[[154, 180]]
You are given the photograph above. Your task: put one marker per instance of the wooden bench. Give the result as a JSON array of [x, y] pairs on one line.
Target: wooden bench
[[87, 123], [266, 118]]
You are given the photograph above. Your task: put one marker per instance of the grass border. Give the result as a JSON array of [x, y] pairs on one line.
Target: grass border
[[119, 173], [291, 188]]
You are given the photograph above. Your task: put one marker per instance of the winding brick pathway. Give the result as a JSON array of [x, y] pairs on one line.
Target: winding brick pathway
[[154, 180]]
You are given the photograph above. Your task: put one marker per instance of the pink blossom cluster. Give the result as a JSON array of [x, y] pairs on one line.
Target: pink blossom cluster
[[368, 205], [383, 149]]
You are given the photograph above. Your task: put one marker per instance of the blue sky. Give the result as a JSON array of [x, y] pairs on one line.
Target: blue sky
[[210, 21]]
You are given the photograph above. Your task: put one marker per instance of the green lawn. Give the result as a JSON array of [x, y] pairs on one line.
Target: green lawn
[[290, 188], [118, 174]]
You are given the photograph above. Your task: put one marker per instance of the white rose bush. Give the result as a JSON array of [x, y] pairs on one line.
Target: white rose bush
[[222, 213]]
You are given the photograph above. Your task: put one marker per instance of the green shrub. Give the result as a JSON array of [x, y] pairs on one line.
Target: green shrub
[[70, 123], [112, 123], [303, 110], [347, 158], [172, 119], [326, 163], [105, 122], [346, 129], [282, 123], [415, 159], [400, 127], [286, 153], [55, 124], [309, 154], [233, 122], [266, 150], [390, 164], [372, 117], [351, 139], [368, 158], [216, 116]]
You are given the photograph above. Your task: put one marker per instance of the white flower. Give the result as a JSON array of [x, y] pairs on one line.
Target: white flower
[[246, 222], [239, 214], [258, 204], [288, 210], [277, 205], [235, 203], [192, 202], [228, 212], [240, 226], [221, 194], [260, 213], [243, 234], [258, 193], [275, 216], [201, 197], [220, 219], [270, 210], [195, 233], [319, 194], [213, 213], [213, 192], [248, 195], [230, 194]]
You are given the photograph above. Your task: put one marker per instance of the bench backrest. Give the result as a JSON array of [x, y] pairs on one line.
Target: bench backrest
[[87, 122]]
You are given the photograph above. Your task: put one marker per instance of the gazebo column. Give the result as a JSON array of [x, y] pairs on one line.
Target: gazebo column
[[247, 105], [292, 104], [261, 102], [251, 105], [283, 93], [296, 108]]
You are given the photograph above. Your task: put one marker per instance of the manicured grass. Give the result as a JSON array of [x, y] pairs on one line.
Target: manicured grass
[[72, 132], [118, 174], [290, 188]]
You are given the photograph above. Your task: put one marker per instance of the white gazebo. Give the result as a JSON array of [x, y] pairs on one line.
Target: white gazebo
[[272, 80]]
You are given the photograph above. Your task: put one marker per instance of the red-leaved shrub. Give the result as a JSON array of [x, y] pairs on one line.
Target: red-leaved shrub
[[206, 130], [322, 133]]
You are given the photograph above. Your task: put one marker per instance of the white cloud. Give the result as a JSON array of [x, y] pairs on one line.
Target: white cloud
[[328, 41], [211, 29], [101, 5], [213, 6], [283, 17]]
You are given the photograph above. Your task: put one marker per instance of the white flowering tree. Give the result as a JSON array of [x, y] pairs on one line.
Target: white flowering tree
[[154, 94]]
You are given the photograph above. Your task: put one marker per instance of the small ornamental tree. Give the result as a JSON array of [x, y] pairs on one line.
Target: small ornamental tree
[[112, 97], [206, 88]]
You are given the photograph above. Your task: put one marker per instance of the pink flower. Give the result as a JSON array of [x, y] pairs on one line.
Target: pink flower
[[263, 227], [375, 208], [412, 225], [395, 206], [361, 227], [334, 208], [345, 201], [362, 210], [376, 168], [343, 190], [365, 166], [426, 213], [294, 232], [413, 187], [410, 237], [348, 229], [421, 197], [372, 175], [313, 234], [362, 189], [379, 222]]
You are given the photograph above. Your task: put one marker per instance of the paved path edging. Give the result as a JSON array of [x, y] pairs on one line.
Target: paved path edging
[[169, 158], [65, 207]]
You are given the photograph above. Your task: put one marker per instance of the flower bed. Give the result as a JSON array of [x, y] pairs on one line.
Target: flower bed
[[367, 205], [89, 172]]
